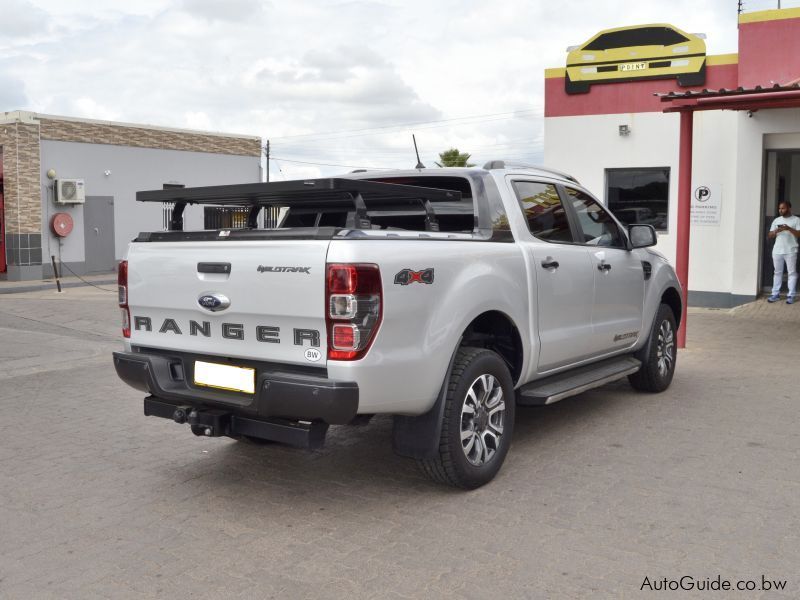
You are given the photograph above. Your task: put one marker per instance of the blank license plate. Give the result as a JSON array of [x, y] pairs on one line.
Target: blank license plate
[[633, 66], [225, 377]]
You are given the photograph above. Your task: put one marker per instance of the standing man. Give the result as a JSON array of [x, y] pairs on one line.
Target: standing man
[[785, 230]]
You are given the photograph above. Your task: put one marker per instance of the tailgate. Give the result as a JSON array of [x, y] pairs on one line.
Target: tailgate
[[275, 290]]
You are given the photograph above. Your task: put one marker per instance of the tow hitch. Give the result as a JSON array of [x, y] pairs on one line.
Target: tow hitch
[[208, 422]]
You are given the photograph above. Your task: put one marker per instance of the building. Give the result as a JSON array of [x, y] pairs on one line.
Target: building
[[111, 162], [735, 122]]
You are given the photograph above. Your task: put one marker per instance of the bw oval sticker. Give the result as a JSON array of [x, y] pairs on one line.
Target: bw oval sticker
[[313, 354]]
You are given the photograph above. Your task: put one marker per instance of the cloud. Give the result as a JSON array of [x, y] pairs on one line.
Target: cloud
[[21, 19], [309, 66], [12, 93], [233, 11]]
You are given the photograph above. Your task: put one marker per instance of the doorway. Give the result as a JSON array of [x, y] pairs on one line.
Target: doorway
[[783, 184], [98, 234]]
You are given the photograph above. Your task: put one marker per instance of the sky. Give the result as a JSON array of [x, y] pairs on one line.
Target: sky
[[340, 84]]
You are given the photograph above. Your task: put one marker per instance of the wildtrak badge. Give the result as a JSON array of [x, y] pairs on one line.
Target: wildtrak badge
[[263, 269]]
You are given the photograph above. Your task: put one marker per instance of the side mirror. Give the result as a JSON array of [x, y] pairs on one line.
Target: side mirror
[[642, 236]]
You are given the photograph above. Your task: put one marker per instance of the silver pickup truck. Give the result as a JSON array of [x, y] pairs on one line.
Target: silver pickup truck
[[442, 297]]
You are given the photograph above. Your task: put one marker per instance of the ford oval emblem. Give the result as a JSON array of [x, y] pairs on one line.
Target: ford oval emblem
[[214, 302]]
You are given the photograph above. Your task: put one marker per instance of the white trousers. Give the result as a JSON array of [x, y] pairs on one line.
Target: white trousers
[[790, 260]]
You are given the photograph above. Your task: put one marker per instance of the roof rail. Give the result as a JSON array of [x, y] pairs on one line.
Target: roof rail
[[508, 164]]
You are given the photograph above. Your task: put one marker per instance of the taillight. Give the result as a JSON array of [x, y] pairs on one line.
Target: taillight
[[353, 309], [122, 290]]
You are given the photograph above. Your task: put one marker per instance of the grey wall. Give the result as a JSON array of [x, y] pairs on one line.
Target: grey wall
[[132, 169]]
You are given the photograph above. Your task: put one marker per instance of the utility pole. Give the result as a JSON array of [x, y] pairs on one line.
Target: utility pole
[[267, 151]]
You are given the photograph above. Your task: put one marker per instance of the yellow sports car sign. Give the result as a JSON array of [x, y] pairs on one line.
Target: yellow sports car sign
[[656, 51]]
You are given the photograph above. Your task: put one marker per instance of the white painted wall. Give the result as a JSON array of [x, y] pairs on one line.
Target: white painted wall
[[728, 150], [585, 146], [711, 264]]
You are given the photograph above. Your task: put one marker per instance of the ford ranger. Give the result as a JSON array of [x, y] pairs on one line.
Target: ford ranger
[[444, 298]]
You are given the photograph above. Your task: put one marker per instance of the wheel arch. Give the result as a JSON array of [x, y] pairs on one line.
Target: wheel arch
[[496, 331], [672, 298]]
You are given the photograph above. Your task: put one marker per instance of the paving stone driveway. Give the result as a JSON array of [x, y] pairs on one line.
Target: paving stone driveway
[[598, 492]]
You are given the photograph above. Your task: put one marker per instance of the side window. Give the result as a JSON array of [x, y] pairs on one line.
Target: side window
[[546, 217], [596, 225]]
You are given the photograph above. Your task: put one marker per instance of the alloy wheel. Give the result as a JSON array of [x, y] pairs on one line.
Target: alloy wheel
[[482, 418], [665, 350]]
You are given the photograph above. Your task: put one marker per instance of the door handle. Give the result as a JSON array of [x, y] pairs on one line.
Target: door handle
[[97, 231], [213, 267], [549, 263], [604, 267]]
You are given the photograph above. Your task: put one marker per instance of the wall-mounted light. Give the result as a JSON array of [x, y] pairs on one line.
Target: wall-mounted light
[[51, 174], [107, 172], [624, 130]]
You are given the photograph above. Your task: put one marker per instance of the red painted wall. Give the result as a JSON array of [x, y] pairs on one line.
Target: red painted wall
[[769, 52], [626, 97]]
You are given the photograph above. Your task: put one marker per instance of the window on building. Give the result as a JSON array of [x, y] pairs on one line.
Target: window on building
[[597, 226], [641, 36], [639, 196], [543, 210]]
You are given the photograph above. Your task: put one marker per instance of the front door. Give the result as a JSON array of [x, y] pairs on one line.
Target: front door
[[561, 279], [98, 234], [618, 276]]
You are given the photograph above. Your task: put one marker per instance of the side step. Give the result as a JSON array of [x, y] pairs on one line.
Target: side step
[[563, 385]]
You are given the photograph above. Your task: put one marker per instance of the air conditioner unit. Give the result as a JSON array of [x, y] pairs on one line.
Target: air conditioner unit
[[70, 191]]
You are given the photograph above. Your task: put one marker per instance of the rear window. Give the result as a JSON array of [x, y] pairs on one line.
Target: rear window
[[643, 36]]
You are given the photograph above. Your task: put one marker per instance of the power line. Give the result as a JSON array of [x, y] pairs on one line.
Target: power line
[[304, 162], [509, 143], [433, 124]]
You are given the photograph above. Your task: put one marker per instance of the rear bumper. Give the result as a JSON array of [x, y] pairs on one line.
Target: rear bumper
[[279, 394]]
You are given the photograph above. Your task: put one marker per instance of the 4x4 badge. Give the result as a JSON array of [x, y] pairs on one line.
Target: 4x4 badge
[[409, 276]]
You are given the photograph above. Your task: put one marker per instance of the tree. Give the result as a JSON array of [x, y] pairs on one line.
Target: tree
[[454, 158]]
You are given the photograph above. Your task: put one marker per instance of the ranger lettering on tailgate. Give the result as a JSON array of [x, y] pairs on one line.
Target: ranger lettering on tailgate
[[231, 331]]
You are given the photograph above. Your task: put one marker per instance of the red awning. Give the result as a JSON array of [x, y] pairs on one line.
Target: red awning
[[755, 98]]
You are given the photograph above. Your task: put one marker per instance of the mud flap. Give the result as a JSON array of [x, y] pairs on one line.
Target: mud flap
[[418, 437]]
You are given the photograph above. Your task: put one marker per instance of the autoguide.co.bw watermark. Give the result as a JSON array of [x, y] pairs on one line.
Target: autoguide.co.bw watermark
[[717, 584]]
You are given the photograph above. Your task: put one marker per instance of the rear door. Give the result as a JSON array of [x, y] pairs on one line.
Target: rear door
[[560, 275], [271, 298], [618, 275]]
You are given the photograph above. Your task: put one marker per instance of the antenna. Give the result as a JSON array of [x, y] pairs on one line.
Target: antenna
[[419, 162]]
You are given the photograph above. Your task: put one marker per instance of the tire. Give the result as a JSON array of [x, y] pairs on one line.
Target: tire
[[659, 354], [475, 461]]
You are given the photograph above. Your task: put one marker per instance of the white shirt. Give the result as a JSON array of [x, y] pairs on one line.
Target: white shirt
[[785, 242]]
